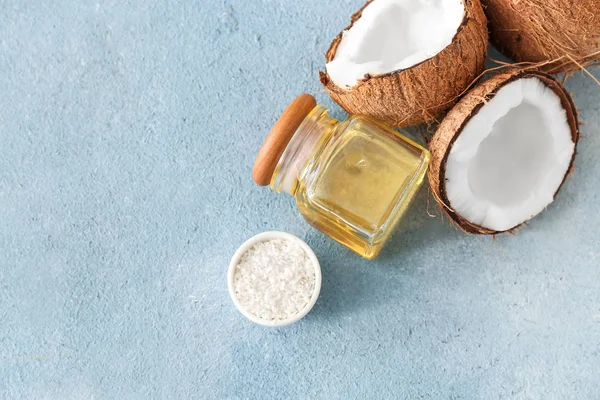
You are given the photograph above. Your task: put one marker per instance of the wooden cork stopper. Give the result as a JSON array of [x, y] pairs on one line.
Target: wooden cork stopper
[[279, 137]]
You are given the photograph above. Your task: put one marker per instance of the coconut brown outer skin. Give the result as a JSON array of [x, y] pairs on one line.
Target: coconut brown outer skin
[[450, 128], [544, 30], [423, 92]]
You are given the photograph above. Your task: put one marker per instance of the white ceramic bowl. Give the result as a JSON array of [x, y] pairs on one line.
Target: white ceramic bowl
[[263, 237]]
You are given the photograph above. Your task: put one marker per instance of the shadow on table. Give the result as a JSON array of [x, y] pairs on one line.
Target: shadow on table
[[351, 282], [344, 278], [421, 226]]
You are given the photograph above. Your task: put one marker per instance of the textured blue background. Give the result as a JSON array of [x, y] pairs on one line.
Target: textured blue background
[[127, 136]]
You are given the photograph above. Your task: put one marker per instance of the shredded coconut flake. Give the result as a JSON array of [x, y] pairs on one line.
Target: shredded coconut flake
[[274, 280]]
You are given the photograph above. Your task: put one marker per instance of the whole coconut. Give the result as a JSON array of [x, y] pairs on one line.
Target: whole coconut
[[546, 30]]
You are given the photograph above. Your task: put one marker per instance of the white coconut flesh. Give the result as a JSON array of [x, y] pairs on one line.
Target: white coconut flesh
[[511, 157], [394, 35]]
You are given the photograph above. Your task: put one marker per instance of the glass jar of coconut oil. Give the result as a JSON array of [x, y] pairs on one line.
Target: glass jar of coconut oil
[[352, 180]]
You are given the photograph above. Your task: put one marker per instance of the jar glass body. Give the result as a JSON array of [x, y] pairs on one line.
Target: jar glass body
[[352, 180]]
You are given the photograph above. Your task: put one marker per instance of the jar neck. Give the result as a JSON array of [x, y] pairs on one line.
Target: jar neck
[[309, 137]]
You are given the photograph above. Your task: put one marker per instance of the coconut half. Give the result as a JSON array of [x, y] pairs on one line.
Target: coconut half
[[546, 30], [503, 152], [405, 62]]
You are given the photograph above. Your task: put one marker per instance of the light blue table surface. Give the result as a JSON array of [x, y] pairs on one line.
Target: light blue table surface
[[128, 131]]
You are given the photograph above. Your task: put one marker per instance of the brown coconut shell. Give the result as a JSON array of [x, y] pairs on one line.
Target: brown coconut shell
[[539, 31], [451, 127], [425, 91]]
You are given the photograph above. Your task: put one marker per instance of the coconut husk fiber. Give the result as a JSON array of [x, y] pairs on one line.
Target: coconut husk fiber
[[566, 32]]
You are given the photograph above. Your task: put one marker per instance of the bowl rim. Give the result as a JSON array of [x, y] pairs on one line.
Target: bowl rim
[[263, 237]]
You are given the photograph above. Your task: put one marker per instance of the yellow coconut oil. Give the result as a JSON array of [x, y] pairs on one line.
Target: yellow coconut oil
[[352, 180]]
